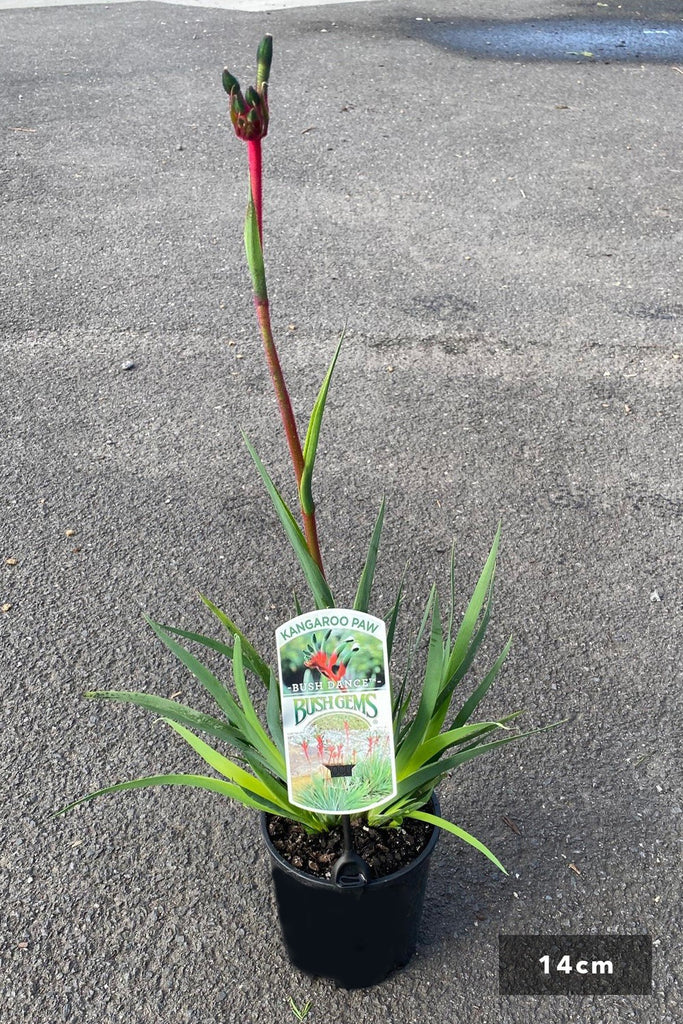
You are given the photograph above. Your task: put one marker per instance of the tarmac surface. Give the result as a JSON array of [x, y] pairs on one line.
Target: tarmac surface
[[489, 196]]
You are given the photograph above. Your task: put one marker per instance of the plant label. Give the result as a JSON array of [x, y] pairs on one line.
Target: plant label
[[336, 711]]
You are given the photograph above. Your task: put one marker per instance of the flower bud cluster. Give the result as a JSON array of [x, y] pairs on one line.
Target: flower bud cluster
[[249, 110]]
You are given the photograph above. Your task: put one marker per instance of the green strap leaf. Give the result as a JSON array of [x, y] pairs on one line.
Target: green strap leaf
[[225, 700], [166, 708], [313, 435], [430, 689], [400, 709], [199, 638], [431, 747], [432, 772], [362, 598], [252, 658], [451, 610], [449, 684], [252, 244], [172, 709], [471, 617], [471, 704], [439, 822], [274, 714], [418, 638], [194, 781], [393, 616], [315, 579], [260, 739], [224, 766]]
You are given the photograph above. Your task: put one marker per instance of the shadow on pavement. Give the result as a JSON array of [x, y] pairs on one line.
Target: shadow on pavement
[[596, 38]]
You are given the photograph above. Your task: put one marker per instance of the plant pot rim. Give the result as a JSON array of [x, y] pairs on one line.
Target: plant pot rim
[[375, 883]]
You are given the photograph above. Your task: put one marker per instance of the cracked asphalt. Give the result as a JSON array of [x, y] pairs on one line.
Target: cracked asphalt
[[490, 199]]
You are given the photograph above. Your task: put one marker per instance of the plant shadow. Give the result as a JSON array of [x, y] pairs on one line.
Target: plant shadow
[[598, 38]]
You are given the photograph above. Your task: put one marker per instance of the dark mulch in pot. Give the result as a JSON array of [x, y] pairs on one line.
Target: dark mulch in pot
[[385, 850]]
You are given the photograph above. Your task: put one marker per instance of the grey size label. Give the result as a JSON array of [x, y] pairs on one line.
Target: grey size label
[[553, 965]]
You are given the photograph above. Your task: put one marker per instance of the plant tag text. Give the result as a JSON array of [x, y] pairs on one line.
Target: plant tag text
[[336, 711]]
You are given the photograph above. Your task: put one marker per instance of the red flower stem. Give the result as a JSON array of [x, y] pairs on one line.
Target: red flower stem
[[256, 179], [282, 395], [288, 421], [311, 535], [277, 377]]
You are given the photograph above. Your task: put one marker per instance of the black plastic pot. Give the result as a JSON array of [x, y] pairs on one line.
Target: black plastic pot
[[353, 934]]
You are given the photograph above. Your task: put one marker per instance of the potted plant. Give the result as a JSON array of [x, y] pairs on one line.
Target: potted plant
[[362, 871]]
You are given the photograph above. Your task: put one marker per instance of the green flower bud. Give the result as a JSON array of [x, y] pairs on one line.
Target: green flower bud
[[252, 97], [230, 83], [238, 104], [264, 57]]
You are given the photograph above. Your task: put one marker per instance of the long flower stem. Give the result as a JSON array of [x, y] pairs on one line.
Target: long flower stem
[[281, 393], [256, 179], [273, 360], [288, 421]]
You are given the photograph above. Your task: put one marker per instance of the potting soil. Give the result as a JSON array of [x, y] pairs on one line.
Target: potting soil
[[385, 850]]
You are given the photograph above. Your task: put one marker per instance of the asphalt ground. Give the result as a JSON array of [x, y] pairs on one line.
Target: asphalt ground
[[499, 227]]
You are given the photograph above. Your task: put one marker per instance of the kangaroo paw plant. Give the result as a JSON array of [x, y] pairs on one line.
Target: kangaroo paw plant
[[355, 763]]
